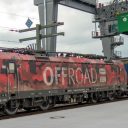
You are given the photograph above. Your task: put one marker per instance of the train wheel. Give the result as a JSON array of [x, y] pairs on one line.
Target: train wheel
[[111, 96], [94, 98], [11, 107], [45, 105], [119, 94]]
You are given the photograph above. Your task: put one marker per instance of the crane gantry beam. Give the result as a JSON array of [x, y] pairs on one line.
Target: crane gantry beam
[[83, 5]]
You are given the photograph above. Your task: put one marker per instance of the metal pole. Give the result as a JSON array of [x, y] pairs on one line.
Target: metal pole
[[38, 38], [45, 21]]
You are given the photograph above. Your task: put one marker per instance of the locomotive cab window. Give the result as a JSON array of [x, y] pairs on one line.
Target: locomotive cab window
[[4, 69], [11, 68]]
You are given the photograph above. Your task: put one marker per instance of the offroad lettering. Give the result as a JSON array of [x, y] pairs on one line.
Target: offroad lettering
[[73, 76]]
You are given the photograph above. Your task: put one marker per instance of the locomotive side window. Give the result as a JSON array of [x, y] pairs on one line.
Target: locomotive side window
[[11, 68], [4, 69], [102, 73], [32, 66]]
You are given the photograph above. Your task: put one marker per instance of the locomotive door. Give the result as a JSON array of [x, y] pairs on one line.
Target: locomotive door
[[115, 80], [12, 79]]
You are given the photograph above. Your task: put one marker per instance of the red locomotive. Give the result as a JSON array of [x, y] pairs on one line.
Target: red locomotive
[[32, 79]]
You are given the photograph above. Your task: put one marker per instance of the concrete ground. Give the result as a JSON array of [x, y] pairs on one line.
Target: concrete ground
[[109, 115]]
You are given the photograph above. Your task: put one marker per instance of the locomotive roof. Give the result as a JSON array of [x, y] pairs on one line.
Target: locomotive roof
[[25, 54]]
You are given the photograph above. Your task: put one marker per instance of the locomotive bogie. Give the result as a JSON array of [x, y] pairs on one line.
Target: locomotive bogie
[[45, 102]]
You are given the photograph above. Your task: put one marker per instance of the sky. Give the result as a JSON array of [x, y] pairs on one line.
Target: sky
[[78, 27]]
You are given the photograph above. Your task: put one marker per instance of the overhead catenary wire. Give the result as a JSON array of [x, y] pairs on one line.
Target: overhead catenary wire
[[9, 28], [14, 14], [27, 45], [13, 28], [8, 41]]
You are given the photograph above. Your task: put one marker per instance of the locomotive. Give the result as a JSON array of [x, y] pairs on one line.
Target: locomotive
[[38, 79]]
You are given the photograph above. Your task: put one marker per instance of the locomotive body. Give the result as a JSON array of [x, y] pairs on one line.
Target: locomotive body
[[28, 81]]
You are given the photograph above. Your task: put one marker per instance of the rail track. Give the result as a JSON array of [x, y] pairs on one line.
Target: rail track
[[23, 113]]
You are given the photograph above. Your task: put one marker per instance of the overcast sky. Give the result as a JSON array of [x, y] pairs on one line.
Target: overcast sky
[[77, 27]]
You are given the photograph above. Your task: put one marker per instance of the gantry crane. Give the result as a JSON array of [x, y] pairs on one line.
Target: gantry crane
[[105, 16], [48, 12], [109, 23]]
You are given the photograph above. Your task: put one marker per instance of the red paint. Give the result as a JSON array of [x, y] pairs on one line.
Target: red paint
[[58, 72]]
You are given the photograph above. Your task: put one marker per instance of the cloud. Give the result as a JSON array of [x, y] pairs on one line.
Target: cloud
[[77, 27], [11, 39], [17, 5], [14, 13]]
